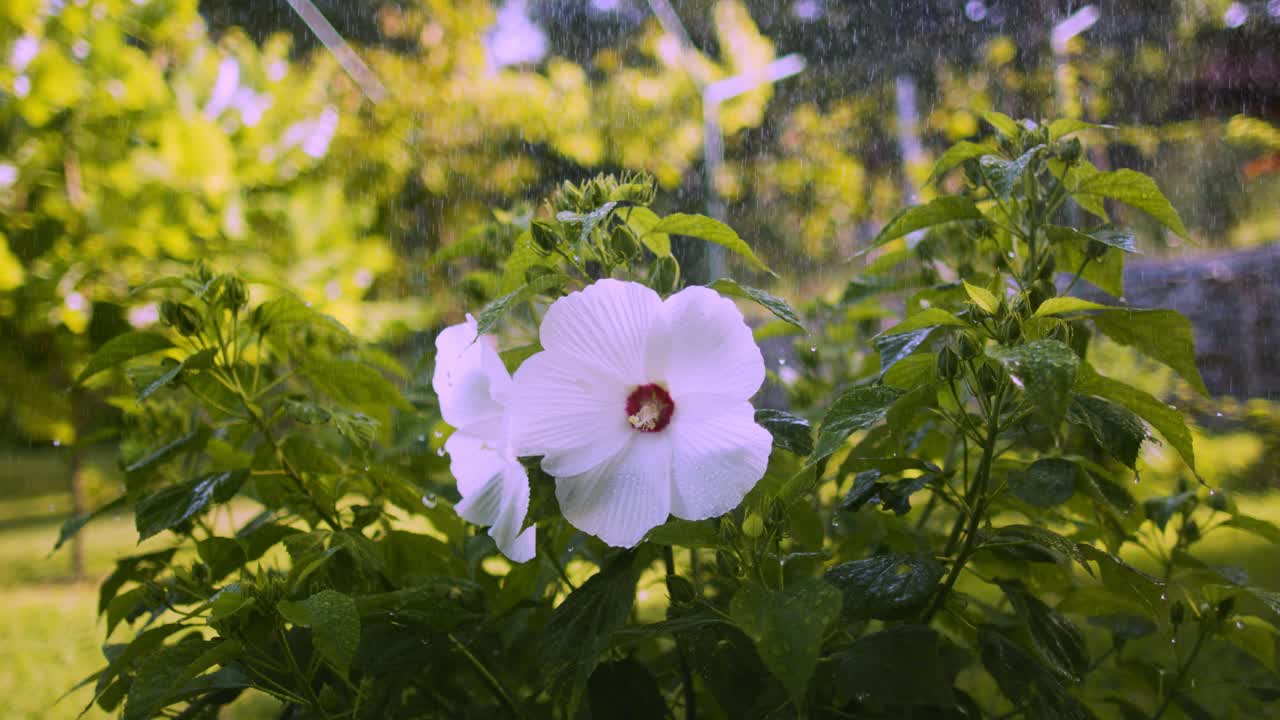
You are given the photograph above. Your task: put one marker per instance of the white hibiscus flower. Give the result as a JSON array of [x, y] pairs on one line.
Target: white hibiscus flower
[[474, 387], [640, 407]]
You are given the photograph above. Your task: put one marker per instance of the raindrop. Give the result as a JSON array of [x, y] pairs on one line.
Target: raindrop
[[422, 438], [429, 500], [813, 348], [976, 10], [440, 452], [1219, 414], [1236, 15], [1173, 641], [1239, 624], [438, 434], [782, 361], [57, 443], [1164, 596]]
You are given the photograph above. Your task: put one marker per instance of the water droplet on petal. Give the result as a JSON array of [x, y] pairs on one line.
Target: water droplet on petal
[[438, 434], [439, 452], [429, 500]]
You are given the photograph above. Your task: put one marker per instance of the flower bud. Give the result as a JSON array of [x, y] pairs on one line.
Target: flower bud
[[181, 317], [968, 346], [1070, 150], [947, 364], [1010, 329], [665, 275], [1177, 613], [1191, 531], [1218, 500], [988, 380], [1061, 333], [234, 293], [1226, 607], [545, 237], [1048, 268], [753, 525], [622, 243]]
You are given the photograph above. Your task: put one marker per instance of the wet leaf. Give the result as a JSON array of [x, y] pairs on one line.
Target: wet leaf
[[790, 432], [772, 303], [856, 409], [886, 587], [1048, 482], [904, 665], [121, 349], [1162, 335], [1167, 421], [334, 622], [1116, 429], [1134, 188], [946, 209], [174, 505], [1045, 370], [787, 627], [711, 230]]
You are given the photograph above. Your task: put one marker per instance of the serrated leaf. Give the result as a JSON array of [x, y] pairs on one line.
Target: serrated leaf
[[1062, 127], [898, 667], [1045, 370], [334, 622], [927, 318], [493, 313], [1160, 510], [711, 230], [1056, 639], [1133, 188], [886, 587], [1046, 483], [1118, 238], [946, 209], [74, 525], [1116, 428], [354, 384], [772, 303], [897, 347], [160, 673], [641, 221], [787, 627], [1162, 335], [982, 297], [1106, 272], [171, 506], [1040, 537], [790, 432], [1121, 577], [121, 349], [1004, 175], [856, 409], [306, 411], [912, 371], [1167, 421]]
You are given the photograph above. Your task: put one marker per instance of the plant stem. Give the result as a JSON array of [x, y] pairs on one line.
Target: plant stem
[[977, 501], [493, 682], [1181, 676], [690, 694]]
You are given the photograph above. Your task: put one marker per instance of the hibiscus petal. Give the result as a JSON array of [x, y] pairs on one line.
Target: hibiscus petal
[[604, 329], [469, 378], [711, 348], [574, 419], [495, 493], [622, 499], [716, 460]]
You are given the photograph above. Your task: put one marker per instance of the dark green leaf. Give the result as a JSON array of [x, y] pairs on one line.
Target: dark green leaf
[[1167, 421], [354, 384], [1024, 680], [787, 627], [886, 587], [580, 628], [1255, 526], [334, 623], [73, 526], [160, 674], [1162, 335], [945, 209], [685, 533], [1115, 427], [1045, 370], [193, 440], [176, 504], [900, 666], [856, 409], [122, 348], [1123, 578], [1160, 510], [772, 303], [790, 432], [1057, 640], [711, 230], [895, 348], [1118, 238], [1106, 272], [625, 689], [1043, 538], [1048, 482], [1134, 188], [493, 313]]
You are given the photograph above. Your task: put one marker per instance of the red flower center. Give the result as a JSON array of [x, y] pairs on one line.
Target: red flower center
[[649, 408]]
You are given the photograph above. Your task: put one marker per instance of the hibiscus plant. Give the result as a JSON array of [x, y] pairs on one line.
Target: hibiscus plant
[[570, 506]]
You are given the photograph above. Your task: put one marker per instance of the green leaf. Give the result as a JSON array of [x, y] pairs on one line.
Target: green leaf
[[493, 313], [523, 256], [1004, 175], [773, 304], [354, 384], [982, 297], [1062, 127], [1023, 679], [1004, 124], [900, 666], [1056, 639], [1064, 305], [787, 627], [1134, 188], [898, 347], [1255, 526], [122, 348], [1042, 538], [911, 371], [1118, 238], [886, 587], [73, 526], [856, 409], [359, 429], [1106, 272], [1048, 482], [927, 318], [956, 155], [641, 220], [579, 630], [1117, 429], [306, 411], [711, 230], [1121, 577], [334, 622], [1167, 421], [1045, 370], [1162, 335], [946, 209], [685, 533], [790, 432], [174, 505], [625, 690], [1255, 638], [1160, 510], [160, 674]]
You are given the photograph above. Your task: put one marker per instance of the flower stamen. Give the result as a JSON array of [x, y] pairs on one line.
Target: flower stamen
[[649, 408]]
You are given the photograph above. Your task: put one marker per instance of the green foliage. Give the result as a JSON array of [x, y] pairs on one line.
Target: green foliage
[[957, 538]]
